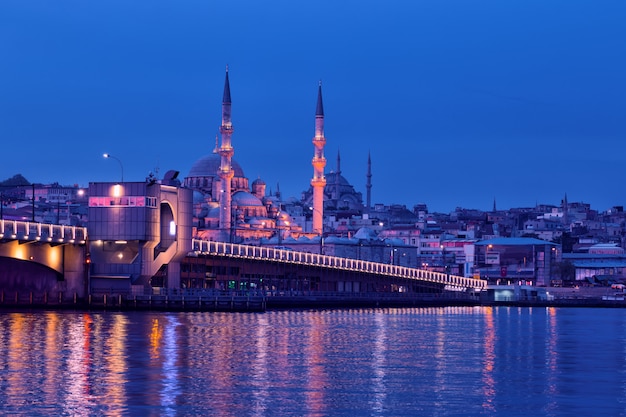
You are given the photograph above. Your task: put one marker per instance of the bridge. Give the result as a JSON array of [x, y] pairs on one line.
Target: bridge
[[447, 282], [215, 268], [53, 234], [41, 259], [57, 247]]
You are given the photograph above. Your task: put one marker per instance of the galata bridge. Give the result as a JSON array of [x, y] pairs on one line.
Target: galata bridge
[[52, 265]]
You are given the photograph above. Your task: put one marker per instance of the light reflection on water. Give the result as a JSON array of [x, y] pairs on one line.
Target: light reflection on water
[[380, 362]]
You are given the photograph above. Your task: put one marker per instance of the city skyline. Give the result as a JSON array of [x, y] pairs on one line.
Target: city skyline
[[458, 104]]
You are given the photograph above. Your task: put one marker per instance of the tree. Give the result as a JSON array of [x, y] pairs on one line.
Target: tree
[[566, 271], [566, 241], [15, 181]]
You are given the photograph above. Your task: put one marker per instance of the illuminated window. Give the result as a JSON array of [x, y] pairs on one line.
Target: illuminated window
[[130, 201], [172, 228]]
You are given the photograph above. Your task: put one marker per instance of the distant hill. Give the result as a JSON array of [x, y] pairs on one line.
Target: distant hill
[[15, 181]]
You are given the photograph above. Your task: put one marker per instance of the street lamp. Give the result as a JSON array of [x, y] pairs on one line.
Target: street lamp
[[486, 262], [444, 261], [278, 232], [108, 155]]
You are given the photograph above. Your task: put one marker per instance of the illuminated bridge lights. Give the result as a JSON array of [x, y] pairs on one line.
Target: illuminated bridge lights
[[332, 262], [35, 232]]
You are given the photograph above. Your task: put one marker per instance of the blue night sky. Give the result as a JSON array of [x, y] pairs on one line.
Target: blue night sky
[[459, 102]]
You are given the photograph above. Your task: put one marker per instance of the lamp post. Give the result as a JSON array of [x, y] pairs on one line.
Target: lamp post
[[487, 261], [444, 261], [108, 155], [278, 233]]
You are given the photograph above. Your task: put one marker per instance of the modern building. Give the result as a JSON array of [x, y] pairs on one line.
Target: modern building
[[139, 232], [522, 261]]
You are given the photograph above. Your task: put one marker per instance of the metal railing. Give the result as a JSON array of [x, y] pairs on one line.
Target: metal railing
[[32, 231], [452, 282]]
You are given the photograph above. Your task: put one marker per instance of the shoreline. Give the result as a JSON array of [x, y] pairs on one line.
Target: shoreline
[[253, 302]]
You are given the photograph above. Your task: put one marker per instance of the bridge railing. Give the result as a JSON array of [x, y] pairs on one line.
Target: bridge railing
[[33, 231], [453, 282]]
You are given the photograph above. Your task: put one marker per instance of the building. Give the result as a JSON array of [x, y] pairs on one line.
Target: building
[[139, 232], [522, 261], [225, 207]]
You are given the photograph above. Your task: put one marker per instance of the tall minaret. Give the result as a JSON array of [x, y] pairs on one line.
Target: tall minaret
[[565, 209], [368, 186], [319, 162], [225, 171], [337, 182]]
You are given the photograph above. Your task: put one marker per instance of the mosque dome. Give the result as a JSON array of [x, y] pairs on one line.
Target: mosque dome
[[243, 198], [331, 179], [258, 181], [365, 233], [213, 213], [198, 197], [208, 165], [258, 222]]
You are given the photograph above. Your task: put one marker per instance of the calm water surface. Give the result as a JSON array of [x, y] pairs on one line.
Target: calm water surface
[[388, 362]]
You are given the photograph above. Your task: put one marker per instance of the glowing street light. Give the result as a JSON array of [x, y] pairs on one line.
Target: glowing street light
[[108, 155]]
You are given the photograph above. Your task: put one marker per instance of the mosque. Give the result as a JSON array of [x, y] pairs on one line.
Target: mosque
[[227, 208]]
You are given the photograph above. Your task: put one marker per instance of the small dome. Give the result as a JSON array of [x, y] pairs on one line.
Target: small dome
[[213, 213], [245, 199], [208, 165], [395, 241], [332, 239], [258, 181], [365, 233], [331, 178], [258, 221], [198, 197]]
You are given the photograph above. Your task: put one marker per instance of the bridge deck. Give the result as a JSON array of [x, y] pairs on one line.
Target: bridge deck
[[42, 232], [222, 249]]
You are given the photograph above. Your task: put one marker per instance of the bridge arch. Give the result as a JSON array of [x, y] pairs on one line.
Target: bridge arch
[[24, 276]]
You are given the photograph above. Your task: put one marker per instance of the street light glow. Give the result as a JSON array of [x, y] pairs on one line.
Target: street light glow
[[108, 155]]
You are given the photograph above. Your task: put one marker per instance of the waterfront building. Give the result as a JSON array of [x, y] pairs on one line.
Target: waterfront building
[[139, 232], [602, 264], [522, 261]]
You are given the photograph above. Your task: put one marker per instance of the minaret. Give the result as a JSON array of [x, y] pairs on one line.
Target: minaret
[[319, 162], [337, 182], [368, 186], [225, 171], [565, 210]]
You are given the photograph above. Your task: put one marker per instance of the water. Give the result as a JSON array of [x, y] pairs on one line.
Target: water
[[472, 361]]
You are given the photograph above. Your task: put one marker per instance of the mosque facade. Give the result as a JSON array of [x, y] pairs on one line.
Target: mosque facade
[[226, 207]]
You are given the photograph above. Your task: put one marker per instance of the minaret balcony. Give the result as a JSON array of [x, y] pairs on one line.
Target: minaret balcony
[[318, 164], [227, 152], [319, 142]]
